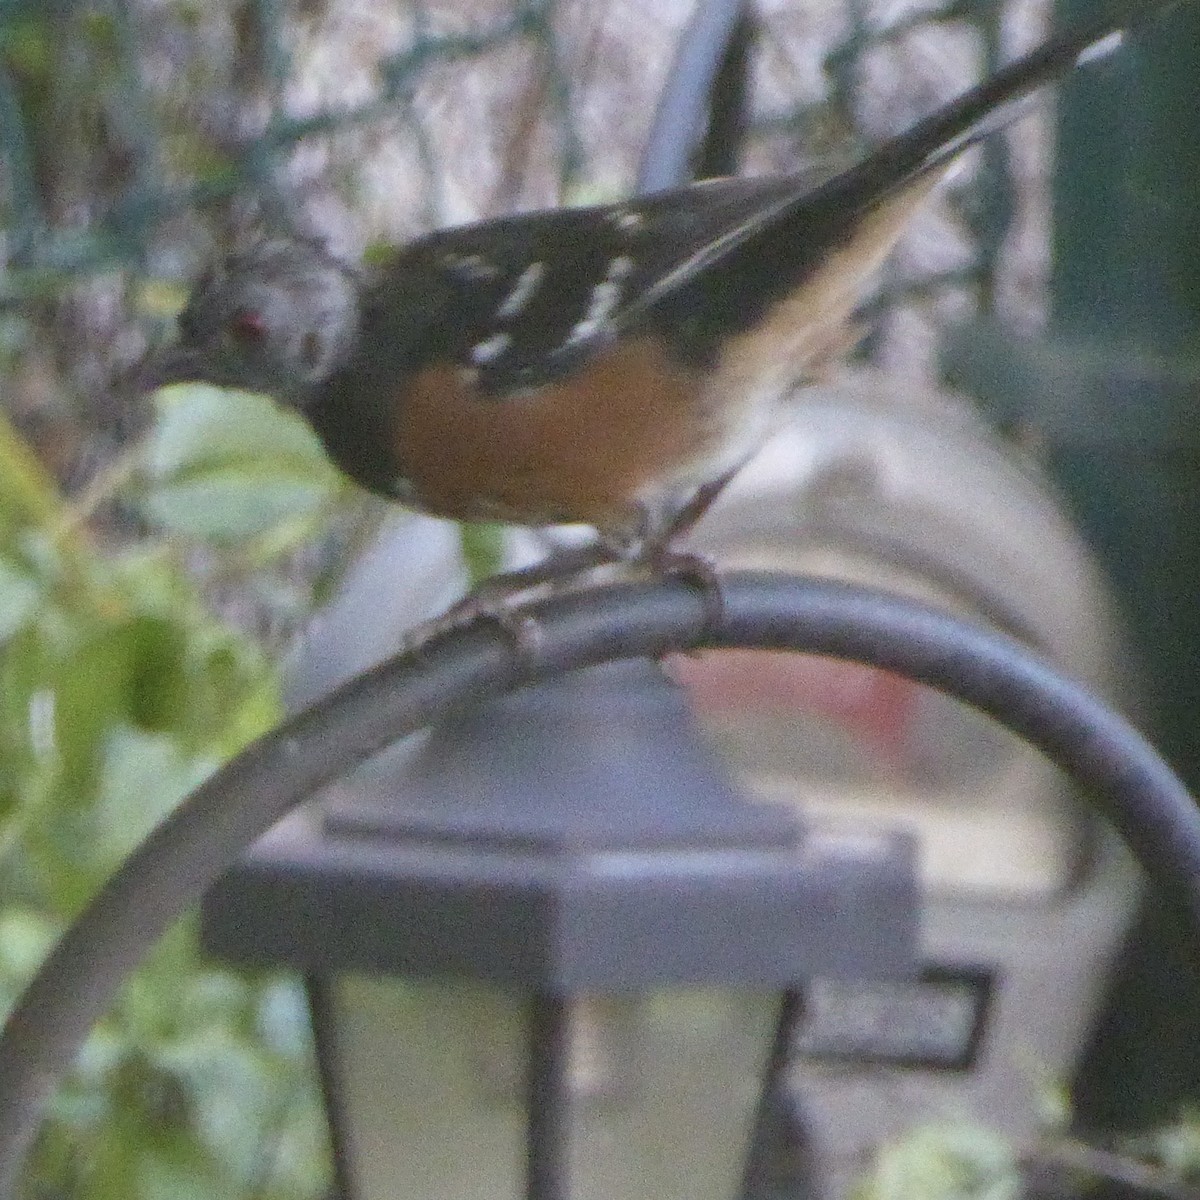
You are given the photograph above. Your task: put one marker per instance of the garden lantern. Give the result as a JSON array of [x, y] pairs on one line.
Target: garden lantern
[[557, 954]]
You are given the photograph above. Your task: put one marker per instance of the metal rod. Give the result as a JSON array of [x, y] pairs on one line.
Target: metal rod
[[321, 1009], [548, 1128], [771, 1131], [1124, 777], [685, 103]]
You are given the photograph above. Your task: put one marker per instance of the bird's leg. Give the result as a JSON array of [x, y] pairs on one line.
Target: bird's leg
[[698, 571], [664, 560], [495, 598], [697, 506], [559, 566]]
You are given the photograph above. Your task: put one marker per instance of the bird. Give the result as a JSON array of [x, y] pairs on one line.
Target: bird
[[612, 365]]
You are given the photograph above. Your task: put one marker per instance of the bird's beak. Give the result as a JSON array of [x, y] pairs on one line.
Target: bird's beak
[[171, 364]]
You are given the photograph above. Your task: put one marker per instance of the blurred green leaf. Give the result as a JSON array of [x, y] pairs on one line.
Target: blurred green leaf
[[127, 672], [950, 1161], [234, 1093], [119, 691], [226, 466], [483, 548], [1176, 1146], [25, 939], [27, 491], [205, 426], [231, 505], [20, 595], [217, 997], [142, 776], [26, 44]]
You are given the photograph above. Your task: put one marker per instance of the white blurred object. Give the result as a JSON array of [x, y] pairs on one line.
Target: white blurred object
[[1027, 896], [879, 483]]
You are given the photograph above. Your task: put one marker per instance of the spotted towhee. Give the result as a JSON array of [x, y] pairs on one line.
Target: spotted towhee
[[611, 365]]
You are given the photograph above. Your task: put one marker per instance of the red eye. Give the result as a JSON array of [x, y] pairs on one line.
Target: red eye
[[248, 327]]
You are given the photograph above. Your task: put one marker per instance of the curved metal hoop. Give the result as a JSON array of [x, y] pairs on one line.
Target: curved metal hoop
[[1122, 774]]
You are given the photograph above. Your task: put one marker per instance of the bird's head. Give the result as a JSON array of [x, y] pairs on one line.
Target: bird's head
[[278, 317]]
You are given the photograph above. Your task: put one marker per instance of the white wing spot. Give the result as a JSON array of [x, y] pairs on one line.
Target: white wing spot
[[604, 299], [606, 295], [491, 348], [626, 219], [522, 293]]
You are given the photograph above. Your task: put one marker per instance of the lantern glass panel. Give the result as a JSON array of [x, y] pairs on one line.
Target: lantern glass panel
[[662, 1087]]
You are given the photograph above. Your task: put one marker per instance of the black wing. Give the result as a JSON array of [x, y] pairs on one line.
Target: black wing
[[524, 299]]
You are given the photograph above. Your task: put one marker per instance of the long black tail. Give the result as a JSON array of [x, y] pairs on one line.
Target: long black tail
[[779, 250], [984, 109]]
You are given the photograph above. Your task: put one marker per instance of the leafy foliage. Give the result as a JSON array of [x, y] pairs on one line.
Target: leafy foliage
[[951, 1161], [1174, 1148], [119, 691], [958, 1159], [228, 466]]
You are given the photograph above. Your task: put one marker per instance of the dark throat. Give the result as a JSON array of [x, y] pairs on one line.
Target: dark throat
[[354, 418]]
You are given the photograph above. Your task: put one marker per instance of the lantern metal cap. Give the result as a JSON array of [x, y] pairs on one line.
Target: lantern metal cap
[[578, 835]]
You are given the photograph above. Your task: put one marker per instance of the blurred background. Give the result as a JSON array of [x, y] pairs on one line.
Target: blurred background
[[1013, 441]]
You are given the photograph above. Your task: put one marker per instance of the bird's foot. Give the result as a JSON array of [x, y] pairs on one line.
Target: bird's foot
[[697, 570], [520, 628], [498, 599]]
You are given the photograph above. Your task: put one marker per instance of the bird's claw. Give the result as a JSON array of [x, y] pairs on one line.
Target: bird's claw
[[487, 603], [699, 571]]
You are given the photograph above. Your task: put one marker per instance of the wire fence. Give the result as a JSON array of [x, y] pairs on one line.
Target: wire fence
[[135, 133], [137, 136]]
